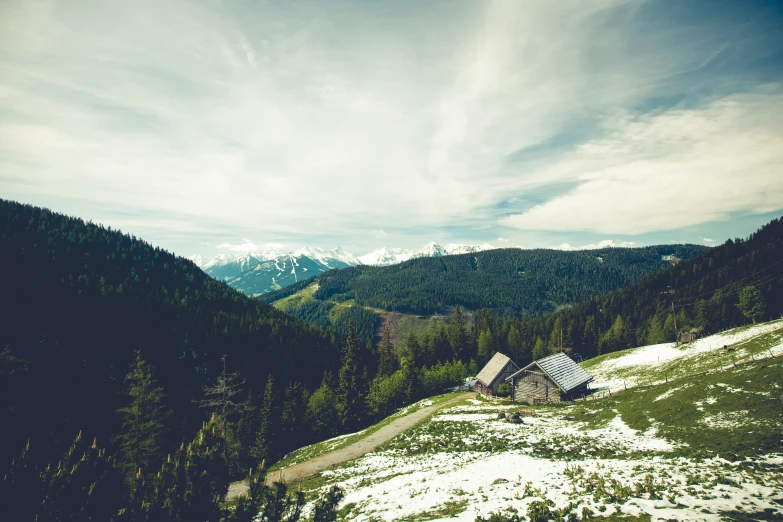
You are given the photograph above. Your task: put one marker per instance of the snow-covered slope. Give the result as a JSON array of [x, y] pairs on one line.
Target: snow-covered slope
[[260, 272], [665, 362], [265, 271], [386, 256], [391, 256]]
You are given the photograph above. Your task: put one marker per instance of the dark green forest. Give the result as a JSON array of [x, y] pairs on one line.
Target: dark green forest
[[118, 360], [507, 281], [730, 285]]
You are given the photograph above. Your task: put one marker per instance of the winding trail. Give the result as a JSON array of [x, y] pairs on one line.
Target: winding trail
[[308, 468]]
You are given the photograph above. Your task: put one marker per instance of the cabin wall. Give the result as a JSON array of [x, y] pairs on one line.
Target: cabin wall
[[530, 386], [506, 372]]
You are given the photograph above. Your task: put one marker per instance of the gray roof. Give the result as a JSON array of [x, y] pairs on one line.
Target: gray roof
[[493, 368], [562, 369]]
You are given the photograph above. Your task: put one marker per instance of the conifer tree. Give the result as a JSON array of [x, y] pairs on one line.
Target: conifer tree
[[440, 343], [246, 428], [516, 346], [321, 416], [349, 402], [486, 348], [291, 416], [458, 338], [655, 331], [590, 334], [143, 424], [387, 362], [263, 446], [539, 350], [220, 398]]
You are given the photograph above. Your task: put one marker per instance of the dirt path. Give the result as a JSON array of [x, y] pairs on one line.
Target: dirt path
[[303, 470]]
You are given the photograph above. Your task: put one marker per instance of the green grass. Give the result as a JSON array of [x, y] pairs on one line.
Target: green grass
[[297, 299], [754, 348], [734, 411], [448, 510]]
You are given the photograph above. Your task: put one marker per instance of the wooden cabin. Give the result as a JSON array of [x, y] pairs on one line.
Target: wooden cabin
[[550, 379], [494, 373], [690, 335]]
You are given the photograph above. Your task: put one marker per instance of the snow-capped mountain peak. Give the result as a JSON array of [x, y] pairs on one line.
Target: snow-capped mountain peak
[[386, 256], [453, 248], [431, 249]]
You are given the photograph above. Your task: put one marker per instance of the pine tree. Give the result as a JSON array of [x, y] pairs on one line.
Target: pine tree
[[246, 428], [349, 402], [321, 416], [262, 449], [220, 398], [440, 343], [458, 338], [539, 350], [143, 424], [655, 331], [291, 415], [387, 362], [590, 334], [515, 346], [486, 348]]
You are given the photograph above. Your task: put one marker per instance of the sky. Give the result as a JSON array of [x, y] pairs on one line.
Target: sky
[[223, 126]]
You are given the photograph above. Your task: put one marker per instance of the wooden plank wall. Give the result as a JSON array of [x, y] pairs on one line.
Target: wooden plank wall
[[507, 371], [529, 386]]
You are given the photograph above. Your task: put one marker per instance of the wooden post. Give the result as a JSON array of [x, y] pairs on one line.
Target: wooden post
[[770, 353], [676, 335], [625, 386]]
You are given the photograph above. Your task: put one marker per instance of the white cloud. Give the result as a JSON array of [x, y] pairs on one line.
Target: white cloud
[[378, 233], [606, 243], [670, 170], [708, 240], [290, 119], [502, 240]]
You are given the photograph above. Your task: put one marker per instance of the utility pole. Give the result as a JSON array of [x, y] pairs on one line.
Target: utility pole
[[561, 337], [676, 334]]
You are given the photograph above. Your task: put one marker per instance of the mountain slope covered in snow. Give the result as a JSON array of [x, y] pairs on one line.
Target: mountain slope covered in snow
[[256, 273], [702, 446]]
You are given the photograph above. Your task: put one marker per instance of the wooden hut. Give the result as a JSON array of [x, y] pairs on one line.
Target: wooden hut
[[494, 373], [550, 379], [690, 335]]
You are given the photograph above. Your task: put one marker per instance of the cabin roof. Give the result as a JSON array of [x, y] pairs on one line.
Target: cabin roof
[[561, 369], [493, 368]]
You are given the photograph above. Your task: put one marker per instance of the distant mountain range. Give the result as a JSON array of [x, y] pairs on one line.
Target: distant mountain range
[[266, 271]]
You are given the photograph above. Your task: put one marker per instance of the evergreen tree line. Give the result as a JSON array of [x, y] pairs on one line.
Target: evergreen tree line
[[507, 281], [81, 298], [140, 482], [736, 283]]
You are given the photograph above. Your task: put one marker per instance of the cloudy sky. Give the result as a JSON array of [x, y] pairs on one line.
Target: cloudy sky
[[206, 126]]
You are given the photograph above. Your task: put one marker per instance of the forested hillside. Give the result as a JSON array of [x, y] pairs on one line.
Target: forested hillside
[[733, 284], [111, 358], [509, 282], [80, 299]]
